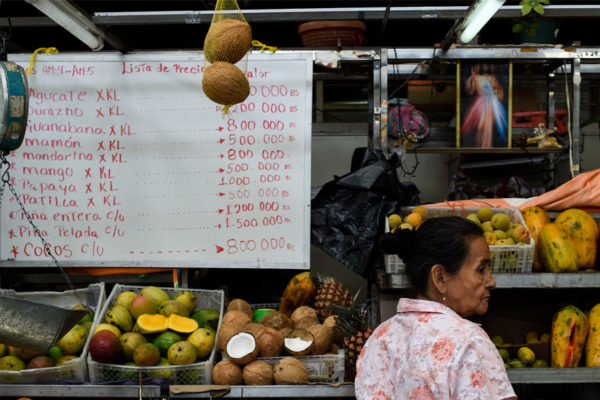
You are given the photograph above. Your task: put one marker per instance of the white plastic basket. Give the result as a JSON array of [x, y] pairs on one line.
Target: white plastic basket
[[192, 374], [516, 259], [73, 371], [326, 368]]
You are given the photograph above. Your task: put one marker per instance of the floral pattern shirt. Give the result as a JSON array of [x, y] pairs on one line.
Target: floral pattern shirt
[[428, 352]]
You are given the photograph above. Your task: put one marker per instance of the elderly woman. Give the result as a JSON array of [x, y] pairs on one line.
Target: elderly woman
[[429, 350]]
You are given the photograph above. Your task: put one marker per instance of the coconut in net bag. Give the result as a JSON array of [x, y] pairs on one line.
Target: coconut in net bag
[[225, 55]]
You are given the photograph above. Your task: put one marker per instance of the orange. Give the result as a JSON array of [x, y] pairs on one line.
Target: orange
[[422, 211], [413, 219]]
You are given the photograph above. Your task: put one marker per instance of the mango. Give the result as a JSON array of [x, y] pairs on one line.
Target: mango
[[120, 316], [125, 298], [11, 363], [157, 295], [188, 299], [203, 340], [73, 341], [130, 341], [142, 305], [173, 307], [182, 353]]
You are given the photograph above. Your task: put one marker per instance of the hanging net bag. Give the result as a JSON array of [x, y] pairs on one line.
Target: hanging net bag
[[225, 53]]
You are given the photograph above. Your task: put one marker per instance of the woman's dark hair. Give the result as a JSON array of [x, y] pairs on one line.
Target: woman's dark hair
[[441, 240]]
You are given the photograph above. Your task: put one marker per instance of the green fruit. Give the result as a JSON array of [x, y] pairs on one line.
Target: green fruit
[[173, 307], [128, 373], [500, 234], [487, 226], [501, 221], [64, 359], [73, 341], [163, 372], [516, 363], [473, 218], [207, 316], [485, 214], [165, 340], [182, 353], [504, 354], [89, 317], [157, 295], [2, 349], [55, 353], [124, 299], [498, 340], [203, 340], [130, 341], [120, 316], [11, 363], [146, 355], [541, 363], [188, 299]]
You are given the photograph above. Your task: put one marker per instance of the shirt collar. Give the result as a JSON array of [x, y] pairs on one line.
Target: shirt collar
[[415, 305]]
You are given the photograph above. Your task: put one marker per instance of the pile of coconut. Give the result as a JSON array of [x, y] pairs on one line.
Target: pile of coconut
[[226, 43], [243, 341]]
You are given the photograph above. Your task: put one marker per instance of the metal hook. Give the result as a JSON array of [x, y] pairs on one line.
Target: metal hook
[[5, 175], [4, 36]]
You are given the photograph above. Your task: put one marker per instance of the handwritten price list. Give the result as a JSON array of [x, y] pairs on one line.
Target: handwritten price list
[[126, 162]]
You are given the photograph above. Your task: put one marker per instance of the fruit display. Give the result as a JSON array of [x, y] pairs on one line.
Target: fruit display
[[249, 347], [567, 244], [569, 332], [156, 332], [531, 352], [64, 360], [511, 245]]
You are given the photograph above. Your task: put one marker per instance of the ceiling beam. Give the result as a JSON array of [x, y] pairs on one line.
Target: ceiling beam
[[308, 14]]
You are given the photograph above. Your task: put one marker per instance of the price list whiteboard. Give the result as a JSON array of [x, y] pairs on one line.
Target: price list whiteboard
[[126, 162]]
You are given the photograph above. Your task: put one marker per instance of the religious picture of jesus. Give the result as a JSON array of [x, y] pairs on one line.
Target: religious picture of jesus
[[484, 104]]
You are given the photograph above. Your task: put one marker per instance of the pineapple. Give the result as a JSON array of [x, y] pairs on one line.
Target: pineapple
[[330, 292], [352, 322]]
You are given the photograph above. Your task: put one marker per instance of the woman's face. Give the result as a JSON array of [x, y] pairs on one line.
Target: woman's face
[[468, 291]]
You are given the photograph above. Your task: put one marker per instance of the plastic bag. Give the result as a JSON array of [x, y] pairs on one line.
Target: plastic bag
[[348, 213]]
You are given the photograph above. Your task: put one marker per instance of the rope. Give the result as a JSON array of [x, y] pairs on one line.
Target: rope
[[46, 50], [264, 47]]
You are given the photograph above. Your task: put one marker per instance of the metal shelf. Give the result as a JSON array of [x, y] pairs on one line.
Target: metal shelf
[[263, 392], [554, 375], [466, 150], [80, 391], [514, 281]]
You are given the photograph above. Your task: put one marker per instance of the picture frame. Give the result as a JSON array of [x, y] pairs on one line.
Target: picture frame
[[484, 104]]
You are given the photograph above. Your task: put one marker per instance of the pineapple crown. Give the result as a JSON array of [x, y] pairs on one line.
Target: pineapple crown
[[351, 320]]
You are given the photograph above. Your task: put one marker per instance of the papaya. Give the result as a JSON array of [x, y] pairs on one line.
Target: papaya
[[583, 230], [557, 250], [592, 345], [569, 331], [535, 218], [299, 291]]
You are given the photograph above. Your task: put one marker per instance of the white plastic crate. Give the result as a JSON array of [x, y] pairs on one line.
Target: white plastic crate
[[71, 371], [198, 373], [516, 259], [327, 368]]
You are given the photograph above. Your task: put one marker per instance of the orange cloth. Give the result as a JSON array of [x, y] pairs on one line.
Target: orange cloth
[[115, 270], [494, 203], [583, 191]]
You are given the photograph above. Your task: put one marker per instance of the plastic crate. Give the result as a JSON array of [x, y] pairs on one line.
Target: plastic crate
[[516, 259], [192, 374], [327, 368], [75, 370]]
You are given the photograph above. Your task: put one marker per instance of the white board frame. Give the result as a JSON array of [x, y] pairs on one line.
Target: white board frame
[[155, 56]]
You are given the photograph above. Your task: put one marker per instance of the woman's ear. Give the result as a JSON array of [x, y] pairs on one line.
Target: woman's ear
[[438, 278]]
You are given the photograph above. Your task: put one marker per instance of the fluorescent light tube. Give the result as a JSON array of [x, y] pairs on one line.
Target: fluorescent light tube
[[481, 13], [66, 15]]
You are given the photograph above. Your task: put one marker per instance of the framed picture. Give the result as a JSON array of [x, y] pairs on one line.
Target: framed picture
[[483, 104]]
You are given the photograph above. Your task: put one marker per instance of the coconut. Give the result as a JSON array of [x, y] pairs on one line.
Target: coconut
[[299, 342], [241, 305], [242, 348], [227, 373], [228, 40], [289, 370], [258, 373], [225, 84], [306, 322], [323, 338], [238, 317], [270, 343], [226, 331], [338, 337], [303, 312], [284, 332], [276, 320], [255, 329]]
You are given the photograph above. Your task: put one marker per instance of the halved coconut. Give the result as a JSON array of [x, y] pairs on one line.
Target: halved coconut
[[299, 342], [226, 331], [242, 348]]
